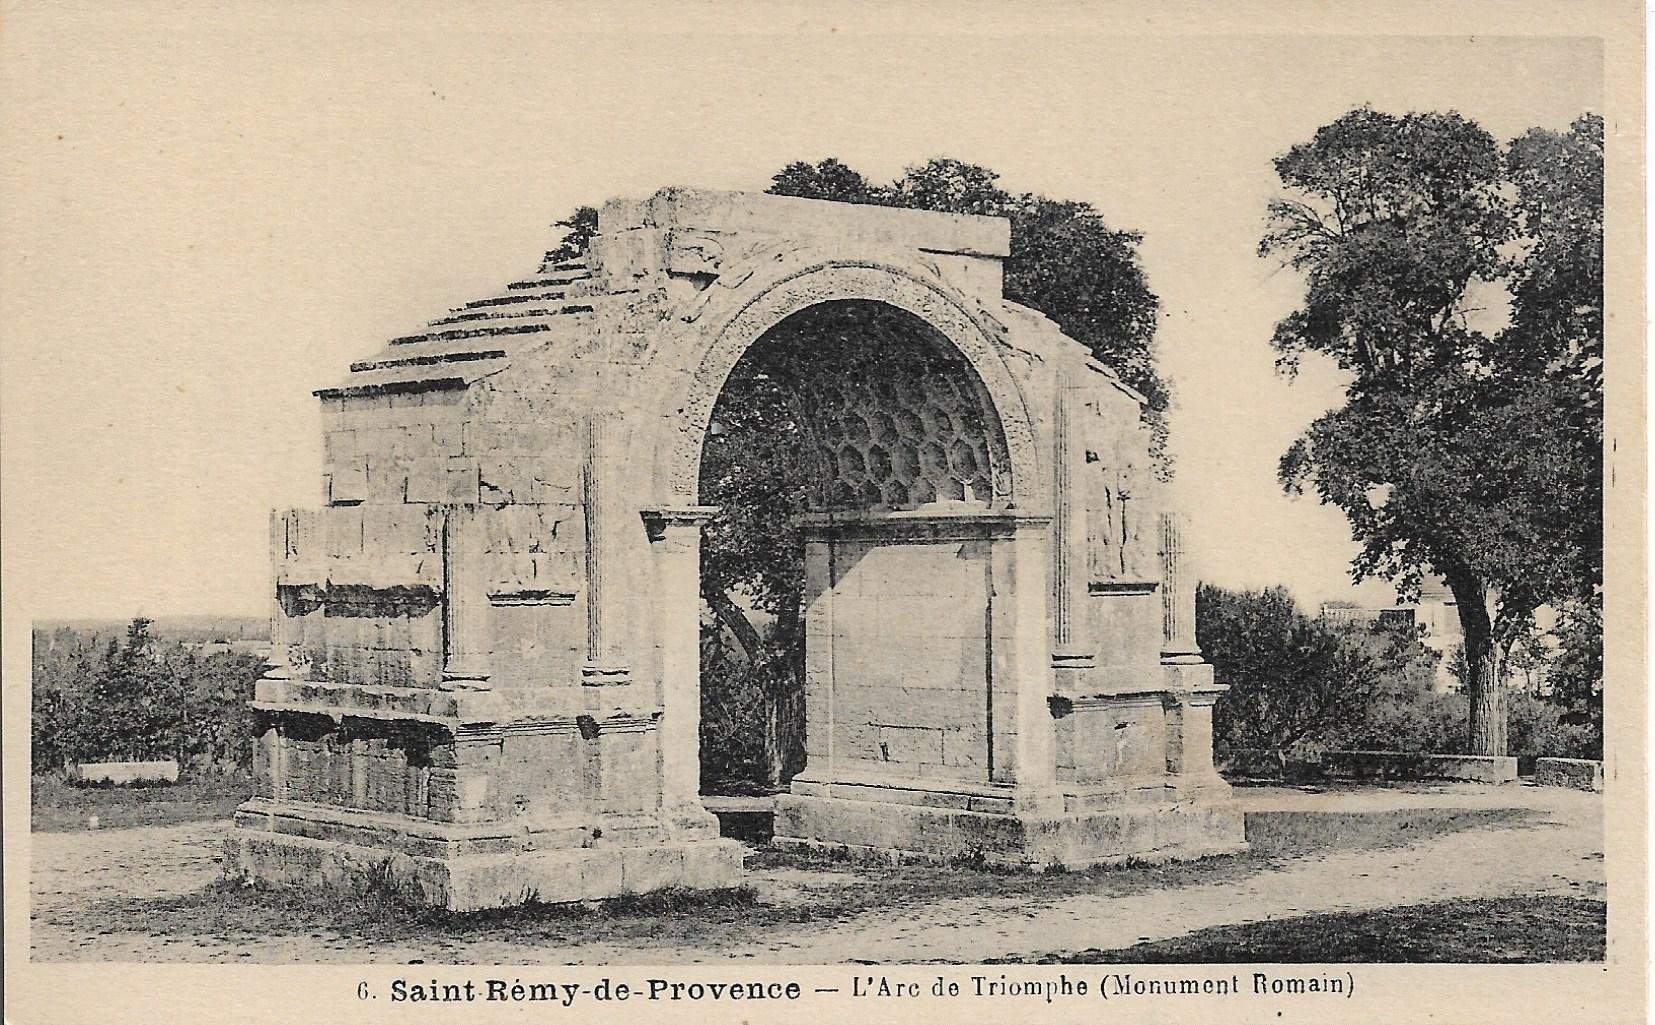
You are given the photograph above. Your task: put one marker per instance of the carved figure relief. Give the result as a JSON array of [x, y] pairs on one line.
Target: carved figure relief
[[1120, 529]]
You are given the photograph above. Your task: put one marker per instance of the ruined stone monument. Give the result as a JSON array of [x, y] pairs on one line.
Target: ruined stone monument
[[486, 674]]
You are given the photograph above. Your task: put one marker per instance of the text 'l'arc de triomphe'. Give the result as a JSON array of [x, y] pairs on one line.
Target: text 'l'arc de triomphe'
[[486, 678]]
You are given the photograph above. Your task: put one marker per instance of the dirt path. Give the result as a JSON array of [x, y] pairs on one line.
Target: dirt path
[[1555, 849]]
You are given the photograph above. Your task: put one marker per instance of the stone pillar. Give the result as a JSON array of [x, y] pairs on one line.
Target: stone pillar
[[1190, 697], [1021, 683], [467, 642], [1177, 594], [818, 628], [675, 546], [270, 763], [606, 661], [281, 625], [1069, 569]]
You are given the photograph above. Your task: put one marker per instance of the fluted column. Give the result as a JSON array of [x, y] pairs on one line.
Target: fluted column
[[675, 547], [1177, 594], [1070, 650], [281, 626], [606, 661], [467, 641]]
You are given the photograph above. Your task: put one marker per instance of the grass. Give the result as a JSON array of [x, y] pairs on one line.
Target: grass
[[1502, 930], [57, 806], [799, 889]]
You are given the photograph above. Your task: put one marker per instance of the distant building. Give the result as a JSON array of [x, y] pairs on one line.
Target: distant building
[[1436, 613]]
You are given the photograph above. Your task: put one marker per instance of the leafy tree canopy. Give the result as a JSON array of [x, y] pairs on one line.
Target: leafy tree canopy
[[1462, 449], [1065, 261], [1299, 681]]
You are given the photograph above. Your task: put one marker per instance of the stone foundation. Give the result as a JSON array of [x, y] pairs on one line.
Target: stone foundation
[[469, 869], [898, 825]]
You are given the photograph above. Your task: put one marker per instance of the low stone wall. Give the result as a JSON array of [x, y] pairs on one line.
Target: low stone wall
[[1578, 773], [127, 773], [1262, 763], [1400, 765]]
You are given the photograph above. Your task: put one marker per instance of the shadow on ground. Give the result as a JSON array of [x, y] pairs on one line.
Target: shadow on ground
[[1505, 930], [1288, 834], [787, 889]]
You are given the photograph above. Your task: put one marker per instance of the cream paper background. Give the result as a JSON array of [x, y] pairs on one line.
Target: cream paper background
[[39, 39]]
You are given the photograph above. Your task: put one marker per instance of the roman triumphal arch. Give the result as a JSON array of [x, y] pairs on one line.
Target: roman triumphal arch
[[485, 686]]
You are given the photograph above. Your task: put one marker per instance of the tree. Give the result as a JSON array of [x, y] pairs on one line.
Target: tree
[[1460, 450], [827, 179], [1529, 660], [138, 698], [1065, 261], [1576, 673]]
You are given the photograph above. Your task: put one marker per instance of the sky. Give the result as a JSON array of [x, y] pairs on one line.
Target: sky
[[215, 210]]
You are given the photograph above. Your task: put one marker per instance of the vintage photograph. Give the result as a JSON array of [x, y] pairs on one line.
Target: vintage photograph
[[579, 490]]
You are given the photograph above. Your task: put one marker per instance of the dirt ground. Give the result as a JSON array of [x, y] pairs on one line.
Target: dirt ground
[[150, 894]]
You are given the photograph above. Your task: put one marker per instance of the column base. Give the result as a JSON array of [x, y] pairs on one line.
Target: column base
[[895, 824], [466, 868]]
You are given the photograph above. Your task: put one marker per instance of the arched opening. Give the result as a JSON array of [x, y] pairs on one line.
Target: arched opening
[[849, 408]]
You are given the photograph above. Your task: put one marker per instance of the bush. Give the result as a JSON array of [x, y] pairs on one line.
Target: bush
[[103, 699], [1537, 728], [735, 718], [1298, 683], [1305, 685], [1419, 722]]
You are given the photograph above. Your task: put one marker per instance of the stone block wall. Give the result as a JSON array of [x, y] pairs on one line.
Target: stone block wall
[[1405, 765], [897, 659], [1124, 625], [1111, 739]]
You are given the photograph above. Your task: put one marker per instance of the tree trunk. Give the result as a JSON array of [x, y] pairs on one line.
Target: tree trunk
[[1487, 694], [734, 620], [1484, 689], [790, 701]]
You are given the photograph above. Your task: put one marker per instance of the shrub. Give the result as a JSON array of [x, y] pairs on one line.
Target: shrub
[[1300, 683], [99, 699], [735, 714], [1306, 685], [1419, 722], [1537, 728]]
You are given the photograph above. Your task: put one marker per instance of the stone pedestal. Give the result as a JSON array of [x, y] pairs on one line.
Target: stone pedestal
[[1158, 821], [465, 800]]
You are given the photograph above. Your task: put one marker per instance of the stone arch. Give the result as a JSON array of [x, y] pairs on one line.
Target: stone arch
[[756, 309]]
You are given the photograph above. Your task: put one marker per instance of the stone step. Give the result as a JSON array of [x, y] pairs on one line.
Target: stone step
[[494, 327], [552, 280], [493, 314], [429, 359], [547, 295]]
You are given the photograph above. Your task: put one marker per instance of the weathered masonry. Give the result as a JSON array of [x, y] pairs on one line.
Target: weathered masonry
[[486, 687]]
